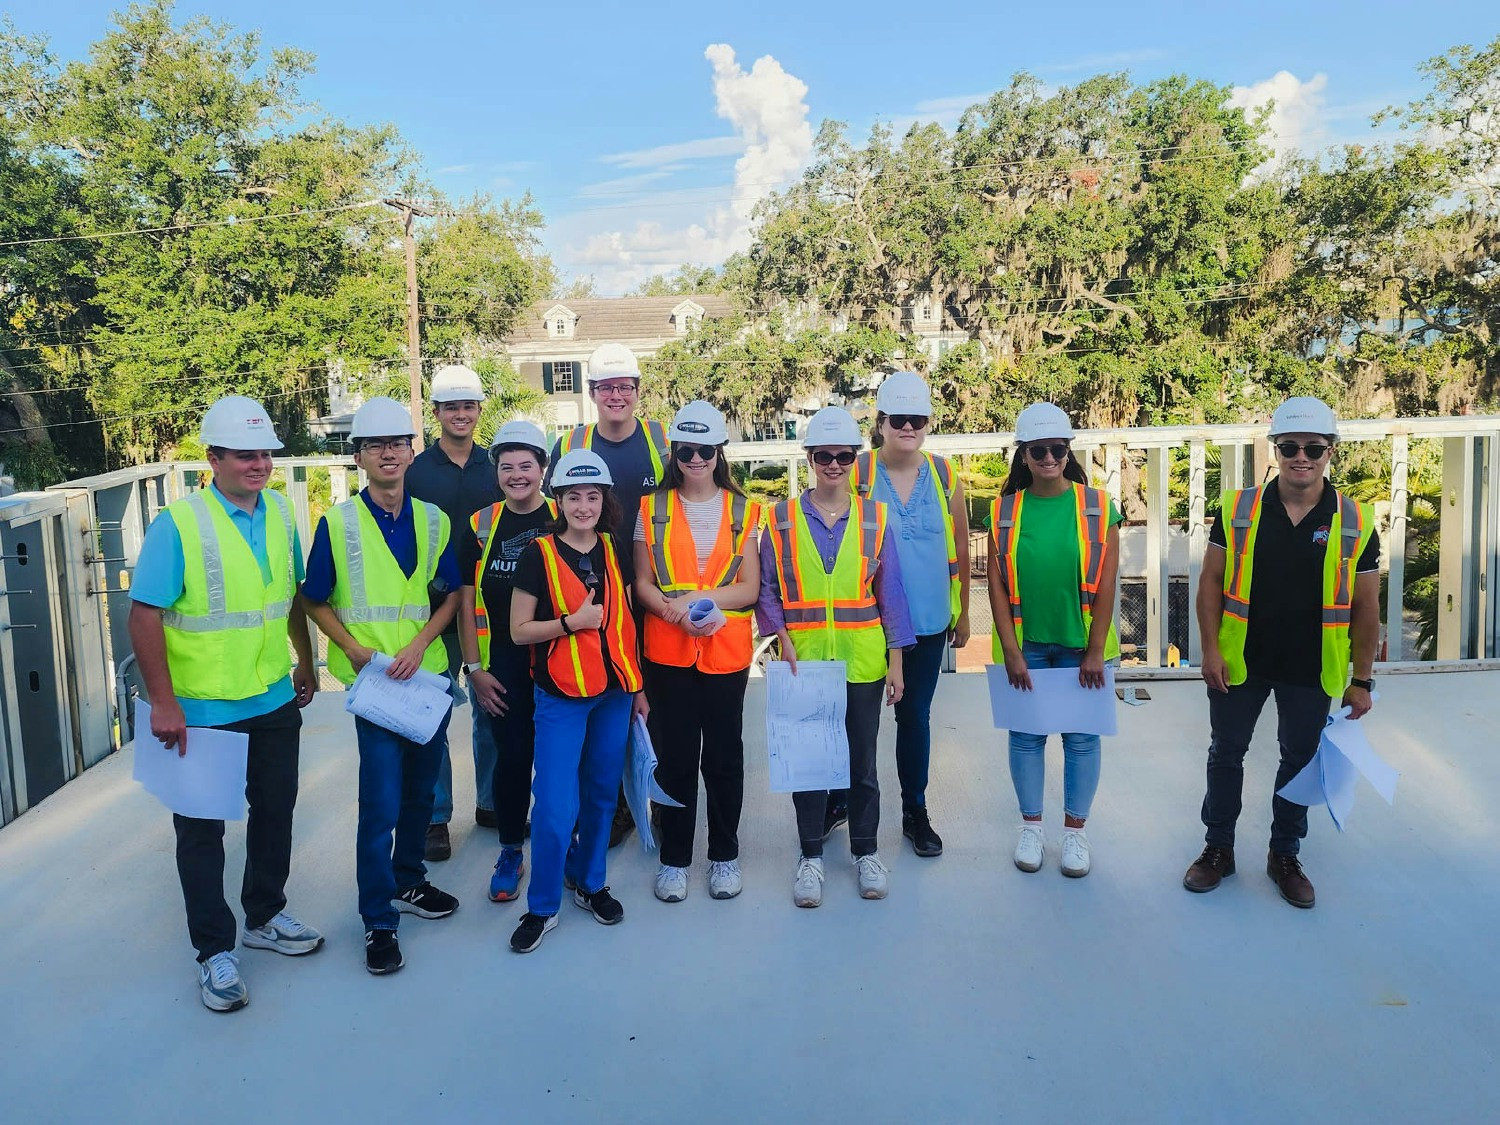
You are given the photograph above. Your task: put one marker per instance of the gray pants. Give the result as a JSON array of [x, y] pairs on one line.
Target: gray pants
[[862, 721]]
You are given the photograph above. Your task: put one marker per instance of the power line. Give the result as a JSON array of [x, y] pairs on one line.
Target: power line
[[233, 220]]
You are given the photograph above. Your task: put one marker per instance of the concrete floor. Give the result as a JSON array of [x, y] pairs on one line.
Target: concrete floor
[[973, 994]]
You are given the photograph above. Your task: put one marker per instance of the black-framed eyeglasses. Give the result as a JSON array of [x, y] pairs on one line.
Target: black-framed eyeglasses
[[823, 457], [375, 445], [622, 390], [1041, 450], [907, 421], [1313, 449], [686, 453]]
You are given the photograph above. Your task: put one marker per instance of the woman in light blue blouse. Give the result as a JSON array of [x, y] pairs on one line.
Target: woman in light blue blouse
[[931, 528]]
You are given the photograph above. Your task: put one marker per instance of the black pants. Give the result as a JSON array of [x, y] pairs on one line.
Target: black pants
[[1300, 716], [697, 723], [862, 721], [271, 792], [515, 746]]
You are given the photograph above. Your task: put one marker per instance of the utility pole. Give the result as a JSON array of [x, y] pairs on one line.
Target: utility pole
[[410, 211]]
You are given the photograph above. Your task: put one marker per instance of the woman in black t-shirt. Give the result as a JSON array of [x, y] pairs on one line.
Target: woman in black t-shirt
[[500, 670]]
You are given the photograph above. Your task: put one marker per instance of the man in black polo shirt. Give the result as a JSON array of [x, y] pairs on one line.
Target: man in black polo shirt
[[455, 474], [1290, 595]]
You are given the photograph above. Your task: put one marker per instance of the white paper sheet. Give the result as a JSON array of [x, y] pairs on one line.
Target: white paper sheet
[[1344, 753], [805, 735], [208, 782], [411, 708], [1056, 704], [641, 787]]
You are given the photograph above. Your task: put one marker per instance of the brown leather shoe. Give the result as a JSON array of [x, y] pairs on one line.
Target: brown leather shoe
[[438, 846], [1209, 869], [1293, 884]]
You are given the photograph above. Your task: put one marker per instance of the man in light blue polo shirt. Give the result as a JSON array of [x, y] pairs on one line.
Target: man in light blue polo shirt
[[213, 610]]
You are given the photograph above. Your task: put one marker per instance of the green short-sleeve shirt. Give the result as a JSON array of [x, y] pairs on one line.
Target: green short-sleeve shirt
[[1048, 565]]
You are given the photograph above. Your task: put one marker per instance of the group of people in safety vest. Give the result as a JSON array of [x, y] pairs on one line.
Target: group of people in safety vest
[[624, 574]]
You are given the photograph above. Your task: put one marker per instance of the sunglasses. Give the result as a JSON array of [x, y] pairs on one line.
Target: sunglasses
[[1041, 450], [685, 453], [823, 457], [907, 421], [586, 572], [1313, 449]]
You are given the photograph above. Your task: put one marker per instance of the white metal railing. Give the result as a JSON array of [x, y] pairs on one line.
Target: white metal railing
[[69, 554]]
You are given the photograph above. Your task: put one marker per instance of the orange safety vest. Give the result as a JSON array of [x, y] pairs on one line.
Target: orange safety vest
[[576, 662], [483, 522], [1093, 541], [674, 568]]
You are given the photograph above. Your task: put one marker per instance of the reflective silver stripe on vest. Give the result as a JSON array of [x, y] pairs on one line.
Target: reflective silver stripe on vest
[[856, 615], [359, 611], [1093, 533], [782, 524], [660, 510], [1341, 612], [869, 529], [218, 617], [1237, 539], [737, 506], [487, 520], [1005, 524]]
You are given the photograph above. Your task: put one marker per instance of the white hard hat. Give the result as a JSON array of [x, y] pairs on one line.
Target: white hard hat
[[456, 383], [382, 417], [1304, 415], [904, 392], [579, 466], [519, 431], [699, 423], [833, 425], [613, 361], [237, 422], [1043, 420]]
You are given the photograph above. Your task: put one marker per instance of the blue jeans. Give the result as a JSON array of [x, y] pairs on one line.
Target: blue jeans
[[395, 795], [580, 757], [920, 667], [1028, 769], [484, 751]]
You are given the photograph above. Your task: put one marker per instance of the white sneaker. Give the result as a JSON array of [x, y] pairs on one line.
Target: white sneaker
[[872, 876], [1075, 853], [671, 883], [1031, 846], [220, 983], [284, 934], [724, 879], [808, 889]]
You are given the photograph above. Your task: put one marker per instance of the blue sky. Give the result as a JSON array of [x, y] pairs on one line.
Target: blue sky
[[611, 114]]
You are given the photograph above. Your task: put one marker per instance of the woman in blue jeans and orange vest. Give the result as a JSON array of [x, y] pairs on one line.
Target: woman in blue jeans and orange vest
[[930, 526], [830, 589], [1054, 549], [695, 541], [572, 606]]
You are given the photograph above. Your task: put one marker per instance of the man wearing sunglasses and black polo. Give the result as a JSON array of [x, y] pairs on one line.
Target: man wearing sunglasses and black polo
[[1290, 595]]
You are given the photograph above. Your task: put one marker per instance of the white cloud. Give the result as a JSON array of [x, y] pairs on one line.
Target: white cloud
[[773, 137], [703, 149], [1100, 64], [1298, 120], [454, 169], [625, 185]]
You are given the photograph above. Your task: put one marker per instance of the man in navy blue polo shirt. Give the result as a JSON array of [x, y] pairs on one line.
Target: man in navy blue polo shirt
[[455, 474]]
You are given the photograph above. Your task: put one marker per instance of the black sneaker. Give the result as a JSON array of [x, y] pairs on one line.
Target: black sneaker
[[622, 827], [918, 829], [530, 932], [425, 901], [439, 847], [601, 904], [382, 952], [836, 815], [485, 818]]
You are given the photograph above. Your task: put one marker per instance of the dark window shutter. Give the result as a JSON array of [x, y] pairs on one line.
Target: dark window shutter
[[547, 378]]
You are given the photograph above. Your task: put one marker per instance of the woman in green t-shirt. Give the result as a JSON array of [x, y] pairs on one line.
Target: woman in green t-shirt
[[1056, 539]]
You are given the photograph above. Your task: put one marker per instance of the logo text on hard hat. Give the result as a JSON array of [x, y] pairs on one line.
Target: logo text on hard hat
[[582, 471], [693, 427]]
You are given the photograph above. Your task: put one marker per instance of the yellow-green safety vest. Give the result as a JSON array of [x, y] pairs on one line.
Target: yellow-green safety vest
[[940, 470], [582, 437], [1093, 542], [381, 607], [1353, 524], [832, 616], [227, 632]]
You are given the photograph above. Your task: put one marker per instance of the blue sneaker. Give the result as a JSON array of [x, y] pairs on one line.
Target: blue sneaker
[[505, 883]]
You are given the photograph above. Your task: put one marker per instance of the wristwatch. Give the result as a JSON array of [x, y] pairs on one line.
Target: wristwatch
[[1364, 685], [471, 667]]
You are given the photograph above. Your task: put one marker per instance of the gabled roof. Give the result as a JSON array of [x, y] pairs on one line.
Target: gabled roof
[[619, 319]]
